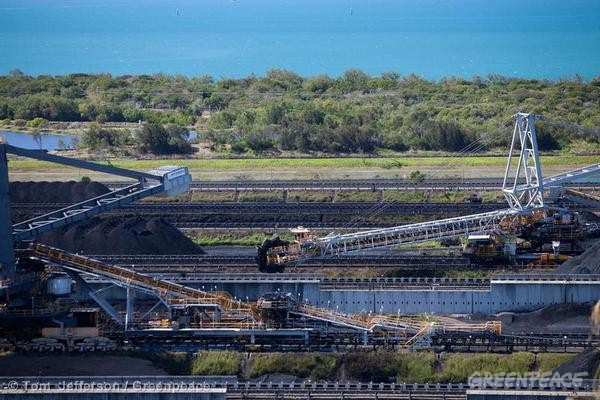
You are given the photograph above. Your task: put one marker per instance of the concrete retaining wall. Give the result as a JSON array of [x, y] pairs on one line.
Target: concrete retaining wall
[[505, 296]]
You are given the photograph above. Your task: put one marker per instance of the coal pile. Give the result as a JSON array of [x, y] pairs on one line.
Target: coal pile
[[586, 263], [55, 192], [111, 235], [585, 362], [118, 235]]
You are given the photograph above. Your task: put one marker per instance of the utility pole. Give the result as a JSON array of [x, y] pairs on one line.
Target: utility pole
[[7, 251]]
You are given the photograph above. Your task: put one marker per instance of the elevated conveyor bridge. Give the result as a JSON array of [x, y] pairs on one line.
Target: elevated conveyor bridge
[[172, 294]]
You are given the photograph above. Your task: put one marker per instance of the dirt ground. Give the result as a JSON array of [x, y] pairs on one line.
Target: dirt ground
[[75, 365]]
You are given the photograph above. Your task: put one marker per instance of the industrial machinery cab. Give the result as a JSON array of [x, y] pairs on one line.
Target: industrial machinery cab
[[276, 301], [175, 179], [489, 247]]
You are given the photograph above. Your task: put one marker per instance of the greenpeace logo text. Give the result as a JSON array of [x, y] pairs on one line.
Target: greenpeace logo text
[[533, 380]]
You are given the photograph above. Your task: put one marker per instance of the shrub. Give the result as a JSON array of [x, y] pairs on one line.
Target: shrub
[[415, 368], [313, 365], [371, 367], [169, 139], [37, 123], [172, 363], [216, 363], [98, 138]]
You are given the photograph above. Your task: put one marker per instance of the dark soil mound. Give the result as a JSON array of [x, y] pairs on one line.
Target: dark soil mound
[[117, 235], [55, 192], [586, 263], [587, 361], [558, 318]]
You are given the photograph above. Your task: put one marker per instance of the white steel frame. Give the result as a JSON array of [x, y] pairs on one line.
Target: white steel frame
[[523, 186]]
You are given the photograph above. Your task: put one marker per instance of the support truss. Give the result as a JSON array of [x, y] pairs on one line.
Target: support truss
[[523, 186]]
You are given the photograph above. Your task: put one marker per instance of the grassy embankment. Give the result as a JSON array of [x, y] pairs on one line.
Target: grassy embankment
[[372, 366], [310, 168]]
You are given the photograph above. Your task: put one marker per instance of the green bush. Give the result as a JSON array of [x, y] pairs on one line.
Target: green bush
[[311, 365], [217, 363], [372, 366], [458, 367], [37, 123], [98, 138], [415, 367], [172, 363], [158, 139]]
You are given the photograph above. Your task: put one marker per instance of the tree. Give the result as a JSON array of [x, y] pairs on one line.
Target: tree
[[38, 123], [98, 138], [159, 139], [353, 79]]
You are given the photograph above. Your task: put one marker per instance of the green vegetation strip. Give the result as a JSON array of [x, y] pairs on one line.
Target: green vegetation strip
[[250, 164], [253, 239], [376, 366]]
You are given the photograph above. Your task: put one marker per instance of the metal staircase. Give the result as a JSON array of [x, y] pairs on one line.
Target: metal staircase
[[417, 332]]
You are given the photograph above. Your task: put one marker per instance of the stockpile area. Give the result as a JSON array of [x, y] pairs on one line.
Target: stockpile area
[[553, 319], [587, 361], [55, 192], [586, 263], [112, 235], [117, 235]]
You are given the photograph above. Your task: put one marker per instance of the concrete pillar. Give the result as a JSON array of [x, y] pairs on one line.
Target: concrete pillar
[[129, 308], [380, 195], [334, 196], [236, 196], [7, 253], [286, 196]]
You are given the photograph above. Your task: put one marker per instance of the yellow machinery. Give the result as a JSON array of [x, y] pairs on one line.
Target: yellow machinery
[[488, 247]]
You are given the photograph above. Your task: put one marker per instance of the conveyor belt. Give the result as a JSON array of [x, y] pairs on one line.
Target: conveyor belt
[[171, 292]]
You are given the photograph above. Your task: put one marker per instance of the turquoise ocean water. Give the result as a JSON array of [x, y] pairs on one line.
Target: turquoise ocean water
[[234, 38]]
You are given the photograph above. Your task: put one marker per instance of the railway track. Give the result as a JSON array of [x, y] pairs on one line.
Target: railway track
[[344, 340], [188, 263], [277, 207], [281, 215], [351, 184], [264, 390]]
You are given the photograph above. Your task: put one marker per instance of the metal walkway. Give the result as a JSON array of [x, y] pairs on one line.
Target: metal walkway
[[417, 332], [169, 292]]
